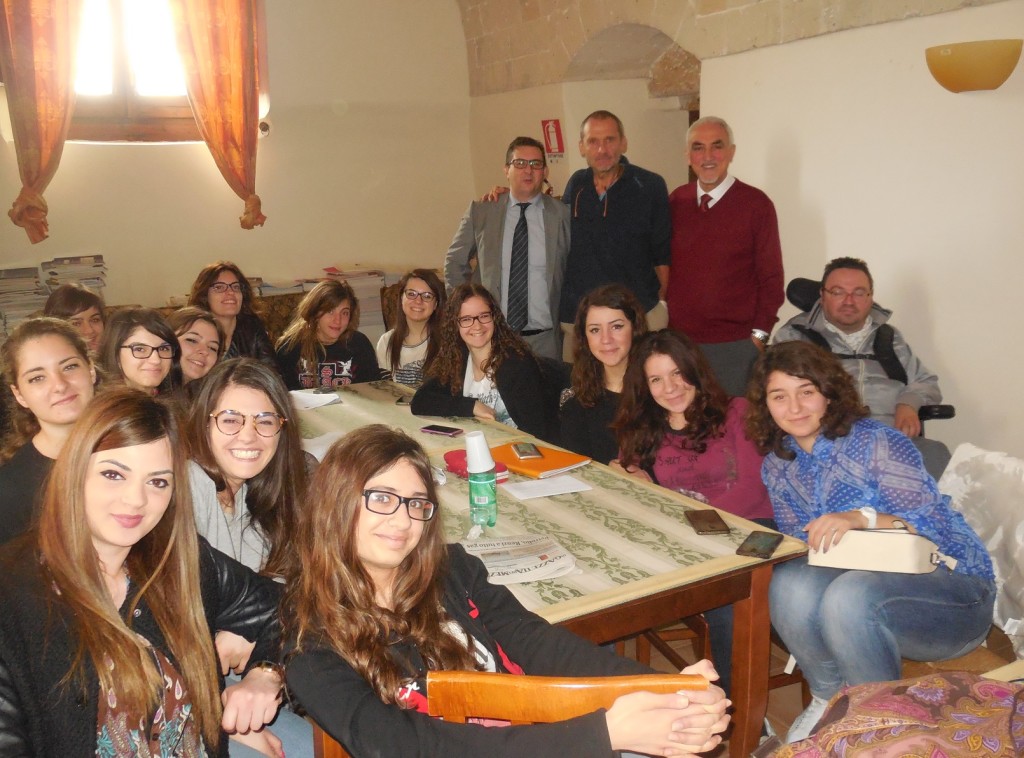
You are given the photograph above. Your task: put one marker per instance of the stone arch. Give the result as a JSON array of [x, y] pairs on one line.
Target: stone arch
[[638, 51]]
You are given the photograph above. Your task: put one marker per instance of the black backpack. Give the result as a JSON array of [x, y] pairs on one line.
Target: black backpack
[[882, 350]]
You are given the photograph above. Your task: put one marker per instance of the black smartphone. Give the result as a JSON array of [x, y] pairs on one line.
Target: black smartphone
[[759, 544], [526, 450], [444, 431], [403, 400], [707, 522]]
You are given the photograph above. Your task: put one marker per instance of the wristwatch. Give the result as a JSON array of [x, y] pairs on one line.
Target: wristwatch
[[760, 334], [871, 515]]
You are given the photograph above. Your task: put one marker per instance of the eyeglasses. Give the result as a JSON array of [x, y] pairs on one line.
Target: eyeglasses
[[221, 287], [467, 321], [267, 424], [142, 352], [840, 294], [426, 297], [386, 503], [523, 163]]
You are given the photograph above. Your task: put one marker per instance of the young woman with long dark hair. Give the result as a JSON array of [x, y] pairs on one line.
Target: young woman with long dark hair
[[375, 599], [678, 428], [404, 351], [609, 319], [222, 289], [247, 473]]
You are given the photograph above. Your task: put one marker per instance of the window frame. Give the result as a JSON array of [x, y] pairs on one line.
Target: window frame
[[124, 116]]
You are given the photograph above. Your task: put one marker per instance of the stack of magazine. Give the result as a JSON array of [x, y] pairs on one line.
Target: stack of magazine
[[88, 270], [21, 295]]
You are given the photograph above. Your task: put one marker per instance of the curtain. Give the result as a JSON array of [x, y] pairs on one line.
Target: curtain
[[217, 43], [37, 52]]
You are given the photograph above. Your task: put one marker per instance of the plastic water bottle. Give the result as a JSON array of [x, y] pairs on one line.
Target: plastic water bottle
[[483, 483]]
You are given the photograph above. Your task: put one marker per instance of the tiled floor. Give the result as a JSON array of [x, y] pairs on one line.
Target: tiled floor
[[784, 703]]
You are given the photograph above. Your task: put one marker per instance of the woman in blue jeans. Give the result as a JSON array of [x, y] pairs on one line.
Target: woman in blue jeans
[[830, 469]]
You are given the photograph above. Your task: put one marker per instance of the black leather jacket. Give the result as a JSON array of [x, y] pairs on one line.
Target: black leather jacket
[[41, 717], [250, 340]]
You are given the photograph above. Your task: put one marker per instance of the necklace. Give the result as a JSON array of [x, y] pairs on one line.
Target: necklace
[[226, 510]]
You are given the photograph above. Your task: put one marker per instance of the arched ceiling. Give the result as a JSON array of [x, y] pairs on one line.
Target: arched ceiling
[[516, 44]]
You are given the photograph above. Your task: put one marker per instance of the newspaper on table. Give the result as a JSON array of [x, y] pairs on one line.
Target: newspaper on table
[[522, 558]]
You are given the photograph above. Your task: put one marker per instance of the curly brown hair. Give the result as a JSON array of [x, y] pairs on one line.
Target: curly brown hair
[[587, 371], [449, 367], [641, 424], [330, 599], [818, 366]]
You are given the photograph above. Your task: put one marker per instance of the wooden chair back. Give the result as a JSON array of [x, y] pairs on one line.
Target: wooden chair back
[[458, 695]]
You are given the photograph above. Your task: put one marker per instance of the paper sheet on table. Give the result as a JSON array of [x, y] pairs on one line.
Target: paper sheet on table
[[522, 558], [556, 485], [305, 400], [317, 446]]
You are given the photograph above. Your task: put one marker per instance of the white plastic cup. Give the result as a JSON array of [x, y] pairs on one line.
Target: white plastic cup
[[478, 454]]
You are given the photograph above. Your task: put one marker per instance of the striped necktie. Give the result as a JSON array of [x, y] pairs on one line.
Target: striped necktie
[[518, 285]]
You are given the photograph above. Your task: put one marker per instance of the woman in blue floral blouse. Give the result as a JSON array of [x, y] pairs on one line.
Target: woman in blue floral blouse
[[830, 469]]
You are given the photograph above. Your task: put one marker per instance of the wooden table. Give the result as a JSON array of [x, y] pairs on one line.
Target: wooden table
[[639, 564]]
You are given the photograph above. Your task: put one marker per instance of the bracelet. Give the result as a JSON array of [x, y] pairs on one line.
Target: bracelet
[[760, 335], [271, 668]]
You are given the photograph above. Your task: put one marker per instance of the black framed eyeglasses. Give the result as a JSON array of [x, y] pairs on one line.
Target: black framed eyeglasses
[[142, 352], [523, 163], [426, 297], [385, 503], [221, 287], [484, 318], [267, 424]]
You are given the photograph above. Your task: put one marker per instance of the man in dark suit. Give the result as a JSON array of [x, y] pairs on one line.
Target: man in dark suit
[[520, 244]]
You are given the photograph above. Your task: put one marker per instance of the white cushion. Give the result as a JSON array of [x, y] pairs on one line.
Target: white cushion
[[988, 489]]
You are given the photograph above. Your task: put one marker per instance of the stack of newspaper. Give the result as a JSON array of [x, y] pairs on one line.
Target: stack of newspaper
[[21, 295], [523, 558], [88, 270]]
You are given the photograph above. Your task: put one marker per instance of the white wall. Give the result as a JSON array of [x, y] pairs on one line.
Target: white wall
[[655, 128], [865, 154], [367, 162]]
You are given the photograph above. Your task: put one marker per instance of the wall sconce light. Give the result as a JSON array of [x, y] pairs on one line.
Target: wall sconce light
[[967, 66]]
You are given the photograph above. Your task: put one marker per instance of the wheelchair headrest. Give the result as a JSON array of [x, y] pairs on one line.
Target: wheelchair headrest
[[803, 293]]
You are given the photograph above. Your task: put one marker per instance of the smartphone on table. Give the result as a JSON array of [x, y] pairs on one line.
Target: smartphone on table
[[444, 431], [526, 451], [759, 544], [707, 522]]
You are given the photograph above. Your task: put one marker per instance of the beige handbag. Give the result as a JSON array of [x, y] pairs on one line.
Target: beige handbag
[[893, 550]]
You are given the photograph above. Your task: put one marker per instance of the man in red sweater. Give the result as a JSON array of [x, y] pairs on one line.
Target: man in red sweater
[[726, 282]]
